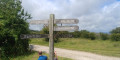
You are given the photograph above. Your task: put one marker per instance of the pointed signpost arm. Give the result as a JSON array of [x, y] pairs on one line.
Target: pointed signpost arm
[[51, 41]]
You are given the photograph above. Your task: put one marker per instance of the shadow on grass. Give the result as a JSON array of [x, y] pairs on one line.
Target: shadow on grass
[[18, 56], [30, 52]]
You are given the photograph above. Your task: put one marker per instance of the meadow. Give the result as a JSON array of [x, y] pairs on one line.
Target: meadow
[[102, 47]]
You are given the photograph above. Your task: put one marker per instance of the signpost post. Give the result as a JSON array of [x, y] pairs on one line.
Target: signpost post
[[51, 23], [51, 41]]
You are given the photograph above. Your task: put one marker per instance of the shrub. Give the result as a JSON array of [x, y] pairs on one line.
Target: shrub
[[115, 37], [84, 33], [45, 30], [92, 36], [104, 36], [7, 41], [76, 34], [14, 24], [116, 30]]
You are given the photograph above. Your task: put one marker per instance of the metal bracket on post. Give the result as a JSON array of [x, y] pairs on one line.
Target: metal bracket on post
[[51, 41]]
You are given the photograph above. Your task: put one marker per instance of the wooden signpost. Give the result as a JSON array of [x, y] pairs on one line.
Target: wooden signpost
[[25, 36], [56, 21], [39, 22], [52, 28], [66, 21], [66, 28]]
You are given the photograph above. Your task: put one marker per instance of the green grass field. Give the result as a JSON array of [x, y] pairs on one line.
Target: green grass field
[[34, 56], [107, 47]]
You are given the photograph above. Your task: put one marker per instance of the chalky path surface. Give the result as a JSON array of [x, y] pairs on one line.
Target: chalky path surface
[[75, 55]]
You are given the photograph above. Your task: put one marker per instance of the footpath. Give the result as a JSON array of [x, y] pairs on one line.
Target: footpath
[[75, 55]]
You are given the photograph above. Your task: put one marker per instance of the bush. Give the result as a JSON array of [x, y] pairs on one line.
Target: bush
[[115, 37], [76, 34], [84, 34], [56, 39], [92, 36], [104, 36], [45, 30], [116, 30], [12, 25], [7, 41]]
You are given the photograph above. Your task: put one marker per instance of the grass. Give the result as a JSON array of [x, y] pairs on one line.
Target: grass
[[107, 47], [34, 56]]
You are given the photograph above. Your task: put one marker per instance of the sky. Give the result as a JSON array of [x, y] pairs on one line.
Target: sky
[[93, 15]]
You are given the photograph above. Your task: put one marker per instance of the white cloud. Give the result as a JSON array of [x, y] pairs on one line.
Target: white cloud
[[94, 15]]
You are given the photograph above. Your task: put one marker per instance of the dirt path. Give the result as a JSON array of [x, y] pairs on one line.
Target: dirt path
[[75, 55]]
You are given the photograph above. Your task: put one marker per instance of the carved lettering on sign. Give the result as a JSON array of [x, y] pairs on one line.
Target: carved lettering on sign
[[26, 36], [66, 28], [56, 21]]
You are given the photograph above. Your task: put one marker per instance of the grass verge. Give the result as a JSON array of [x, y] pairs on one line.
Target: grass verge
[[34, 56], [107, 47]]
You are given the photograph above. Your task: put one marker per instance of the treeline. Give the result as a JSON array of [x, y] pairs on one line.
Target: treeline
[[90, 35], [84, 34], [113, 35]]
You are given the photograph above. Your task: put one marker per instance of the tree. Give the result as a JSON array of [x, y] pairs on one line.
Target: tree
[[115, 37], [84, 33], [13, 18], [77, 34], [92, 36], [104, 36], [45, 30], [116, 30], [115, 34]]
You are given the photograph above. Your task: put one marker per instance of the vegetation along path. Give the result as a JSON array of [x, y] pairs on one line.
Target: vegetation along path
[[75, 55]]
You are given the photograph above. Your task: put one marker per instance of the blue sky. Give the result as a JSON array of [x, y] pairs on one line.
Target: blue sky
[[93, 15]]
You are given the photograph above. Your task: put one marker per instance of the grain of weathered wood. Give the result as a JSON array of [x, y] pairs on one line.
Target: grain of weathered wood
[[51, 41], [56, 21], [66, 28], [39, 22], [66, 21], [26, 36]]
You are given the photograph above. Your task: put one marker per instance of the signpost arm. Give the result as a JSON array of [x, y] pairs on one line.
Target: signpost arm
[[51, 41]]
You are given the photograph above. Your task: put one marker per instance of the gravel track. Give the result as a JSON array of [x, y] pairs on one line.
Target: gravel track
[[75, 55]]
